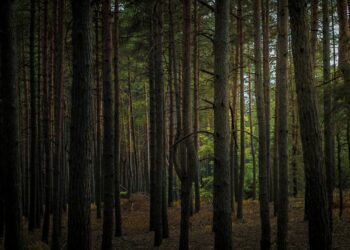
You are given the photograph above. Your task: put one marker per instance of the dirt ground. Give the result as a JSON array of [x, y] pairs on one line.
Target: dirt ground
[[246, 233]]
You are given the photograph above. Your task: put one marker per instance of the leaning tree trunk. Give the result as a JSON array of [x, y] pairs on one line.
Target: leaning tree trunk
[[259, 95], [10, 128], [320, 236], [81, 129], [222, 220]]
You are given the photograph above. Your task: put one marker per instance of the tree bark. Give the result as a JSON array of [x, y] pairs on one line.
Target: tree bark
[[196, 101], [9, 105], [222, 220], [118, 218], [282, 116], [242, 153], [259, 95], [81, 129], [327, 109], [108, 135], [320, 236], [46, 128]]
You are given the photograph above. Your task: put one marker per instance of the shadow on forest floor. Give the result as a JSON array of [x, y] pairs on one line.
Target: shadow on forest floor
[[246, 233]]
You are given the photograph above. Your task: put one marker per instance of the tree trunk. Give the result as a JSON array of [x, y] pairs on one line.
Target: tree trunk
[[266, 82], [118, 218], [320, 236], [46, 128], [81, 129], [251, 130], [10, 138], [327, 107], [242, 153], [259, 95], [159, 115], [97, 168], [33, 122], [59, 38], [340, 177], [196, 171], [282, 116], [222, 221], [108, 135]]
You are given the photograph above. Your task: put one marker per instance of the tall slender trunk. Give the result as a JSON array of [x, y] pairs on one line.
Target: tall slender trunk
[[282, 116], [340, 176], [189, 160], [81, 129], [234, 146], [266, 82], [259, 95], [251, 130], [196, 171], [159, 114], [97, 164], [242, 144], [46, 127], [33, 121], [320, 236], [171, 109], [327, 107], [59, 38], [10, 138], [118, 218], [108, 135], [222, 220]]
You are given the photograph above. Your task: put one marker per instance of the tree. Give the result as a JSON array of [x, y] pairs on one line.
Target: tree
[[108, 135], [282, 116], [320, 236], [80, 141], [259, 95], [159, 119], [33, 122], [327, 107], [222, 221], [9, 105], [241, 73], [118, 219], [46, 127], [189, 160], [59, 38]]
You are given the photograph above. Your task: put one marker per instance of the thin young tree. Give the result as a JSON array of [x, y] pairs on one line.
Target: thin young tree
[[222, 220], [282, 116], [320, 236], [10, 137], [79, 235]]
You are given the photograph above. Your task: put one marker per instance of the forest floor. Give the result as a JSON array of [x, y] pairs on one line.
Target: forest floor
[[246, 232]]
